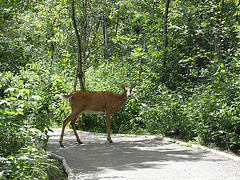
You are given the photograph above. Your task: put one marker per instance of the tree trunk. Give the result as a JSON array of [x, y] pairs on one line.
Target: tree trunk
[[79, 68], [84, 37], [106, 35], [218, 44], [165, 32]]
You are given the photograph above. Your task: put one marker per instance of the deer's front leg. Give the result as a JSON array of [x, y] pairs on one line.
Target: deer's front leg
[[108, 122]]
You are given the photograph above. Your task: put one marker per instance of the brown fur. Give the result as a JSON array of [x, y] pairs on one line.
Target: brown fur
[[93, 101]]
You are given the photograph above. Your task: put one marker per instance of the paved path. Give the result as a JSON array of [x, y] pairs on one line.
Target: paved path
[[140, 157]]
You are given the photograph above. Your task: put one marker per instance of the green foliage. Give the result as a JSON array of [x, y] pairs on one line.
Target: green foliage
[[192, 85], [207, 113], [216, 112], [20, 154], [27, 112], [28, 162]]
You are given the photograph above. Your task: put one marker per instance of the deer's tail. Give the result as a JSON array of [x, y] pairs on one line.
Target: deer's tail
[[62, 96]]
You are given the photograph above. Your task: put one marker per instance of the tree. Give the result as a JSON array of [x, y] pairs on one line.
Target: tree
[[80, 69], [165, 32]]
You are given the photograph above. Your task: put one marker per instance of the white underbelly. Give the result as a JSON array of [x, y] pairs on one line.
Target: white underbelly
[[92, 112]]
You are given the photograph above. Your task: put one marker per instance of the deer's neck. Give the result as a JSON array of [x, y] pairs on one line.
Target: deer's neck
[[123, 97]]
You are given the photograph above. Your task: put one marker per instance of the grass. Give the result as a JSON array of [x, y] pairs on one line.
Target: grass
[[55, 171]]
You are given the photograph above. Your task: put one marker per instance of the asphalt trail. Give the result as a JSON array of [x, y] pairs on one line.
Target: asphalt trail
[[140, 157]]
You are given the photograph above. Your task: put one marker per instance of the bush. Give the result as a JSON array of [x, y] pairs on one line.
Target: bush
[[208, 113], [28, 162], [218, 115], [21, 155], [27, 111]]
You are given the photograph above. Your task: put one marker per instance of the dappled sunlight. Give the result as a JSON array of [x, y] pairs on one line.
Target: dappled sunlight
[[96, 156]]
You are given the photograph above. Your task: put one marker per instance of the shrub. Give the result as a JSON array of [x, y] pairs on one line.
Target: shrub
[[27, 110]]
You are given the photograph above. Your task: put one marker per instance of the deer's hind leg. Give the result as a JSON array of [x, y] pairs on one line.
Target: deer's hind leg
[[74, 129], [65, 122]]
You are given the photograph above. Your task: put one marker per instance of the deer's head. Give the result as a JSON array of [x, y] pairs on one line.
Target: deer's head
[[128, 90]]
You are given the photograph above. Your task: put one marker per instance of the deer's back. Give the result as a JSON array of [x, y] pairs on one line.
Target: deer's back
[[95, 101]]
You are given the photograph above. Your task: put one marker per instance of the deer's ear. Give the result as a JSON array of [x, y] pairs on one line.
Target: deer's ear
[[122, 86], [133, 85]]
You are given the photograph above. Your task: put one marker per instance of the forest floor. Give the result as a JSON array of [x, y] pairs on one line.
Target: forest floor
[[141, 157]]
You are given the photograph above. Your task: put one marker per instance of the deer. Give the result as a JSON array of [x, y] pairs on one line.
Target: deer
[[94, 102]]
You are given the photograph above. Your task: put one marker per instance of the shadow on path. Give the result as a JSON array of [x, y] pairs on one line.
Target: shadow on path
[[138, 157]]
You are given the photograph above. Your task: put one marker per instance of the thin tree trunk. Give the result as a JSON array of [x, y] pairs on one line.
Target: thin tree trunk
[[106, 35], [95, 35], [165, 32], [79, 68], [218, 44], [217, 38], [84, 37]]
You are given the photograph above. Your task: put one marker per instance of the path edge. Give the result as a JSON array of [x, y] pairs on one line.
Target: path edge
[[67, 169], [197, 146]]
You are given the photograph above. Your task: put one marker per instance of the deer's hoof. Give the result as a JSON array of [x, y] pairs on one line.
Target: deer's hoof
[[61, 144], [110, 140], [80, 142]]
